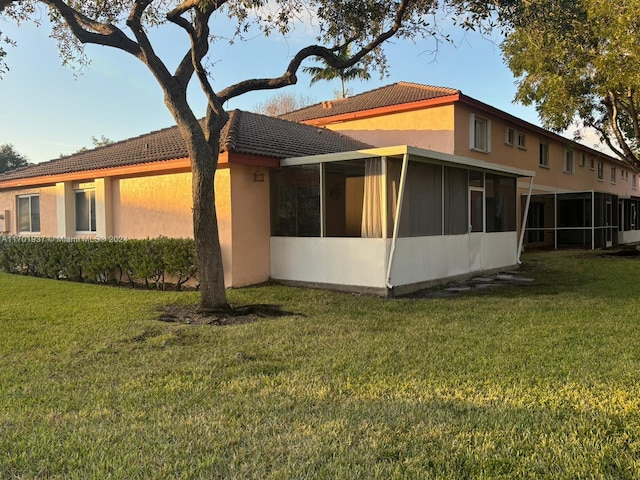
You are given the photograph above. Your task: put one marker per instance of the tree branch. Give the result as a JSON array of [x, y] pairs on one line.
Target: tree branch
[[612, 108], [90, 31], [289, 76], [198, 34], [607, 139]]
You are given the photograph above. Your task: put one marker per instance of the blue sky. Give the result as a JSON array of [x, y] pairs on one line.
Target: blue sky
[[46, 111]]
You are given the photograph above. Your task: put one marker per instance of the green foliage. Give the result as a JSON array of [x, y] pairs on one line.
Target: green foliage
[[579, 60], [328, 73], [152, 262], [9, 158]]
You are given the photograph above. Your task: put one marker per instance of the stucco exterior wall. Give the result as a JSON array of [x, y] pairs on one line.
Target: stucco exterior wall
[[548, 179], [152, 206], [48, 225], [251, 227], [431, 128]]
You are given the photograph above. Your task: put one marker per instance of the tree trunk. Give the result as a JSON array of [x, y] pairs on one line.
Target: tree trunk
[[204, 162], [213, 295]]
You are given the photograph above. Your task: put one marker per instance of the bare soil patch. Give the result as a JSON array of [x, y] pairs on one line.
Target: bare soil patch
[[192, 315]]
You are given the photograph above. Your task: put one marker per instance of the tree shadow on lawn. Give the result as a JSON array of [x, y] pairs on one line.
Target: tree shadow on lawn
[[192, 315]]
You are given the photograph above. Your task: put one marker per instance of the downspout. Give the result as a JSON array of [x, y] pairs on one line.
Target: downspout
[[524, 221], [396, 223]]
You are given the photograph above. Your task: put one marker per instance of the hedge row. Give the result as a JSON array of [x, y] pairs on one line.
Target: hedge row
[[154, 262]]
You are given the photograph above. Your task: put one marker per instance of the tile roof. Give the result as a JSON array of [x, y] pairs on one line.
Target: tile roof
[[394, 94], [245, 132]]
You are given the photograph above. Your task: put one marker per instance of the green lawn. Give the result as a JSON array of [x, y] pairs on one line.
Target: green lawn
[[537, 381]]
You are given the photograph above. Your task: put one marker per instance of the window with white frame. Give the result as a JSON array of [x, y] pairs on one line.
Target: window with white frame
[[480, 133], [85, 203], [544, 154], [28, 207], [509, 136], [613, 174], [522, 141], [600, 171], [569, 161]]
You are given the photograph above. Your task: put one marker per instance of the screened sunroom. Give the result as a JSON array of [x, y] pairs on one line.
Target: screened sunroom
[[390, 220], [580, 220]]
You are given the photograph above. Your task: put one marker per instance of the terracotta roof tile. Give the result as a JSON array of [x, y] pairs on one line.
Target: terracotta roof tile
[[245, 132], [394, 94]]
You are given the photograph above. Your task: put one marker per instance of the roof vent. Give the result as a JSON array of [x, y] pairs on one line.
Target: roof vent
[[327, 105]]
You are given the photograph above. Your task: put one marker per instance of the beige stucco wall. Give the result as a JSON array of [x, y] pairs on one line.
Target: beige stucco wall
[[48, 225], [251, 226], [430, 128], [223, 211], [547, 179]]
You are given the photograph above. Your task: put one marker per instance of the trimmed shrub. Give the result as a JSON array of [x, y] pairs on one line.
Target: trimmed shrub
[[150, 262]]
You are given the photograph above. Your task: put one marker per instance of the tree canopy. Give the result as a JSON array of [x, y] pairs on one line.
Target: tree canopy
[[364, 25], [579, 59], [10, 159]]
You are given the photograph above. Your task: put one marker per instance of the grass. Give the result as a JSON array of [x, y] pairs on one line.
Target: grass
[[537, 381]]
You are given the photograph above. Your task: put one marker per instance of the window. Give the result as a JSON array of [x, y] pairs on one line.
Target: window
[[544, 154], [634, 181], [480, 134], [29, 214], [600, 171], [592, 165], [509, 136], [583, 159], [522, 141], [85, 211], [568, 161], [613, 174]]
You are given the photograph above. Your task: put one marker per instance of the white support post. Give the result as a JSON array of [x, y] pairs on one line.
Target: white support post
[[523, 225], [396, 225]]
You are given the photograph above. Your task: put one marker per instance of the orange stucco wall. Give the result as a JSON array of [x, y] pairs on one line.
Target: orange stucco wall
[[152, 206], [161, 205], [431, 128], [251, 229], [48, 226]]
